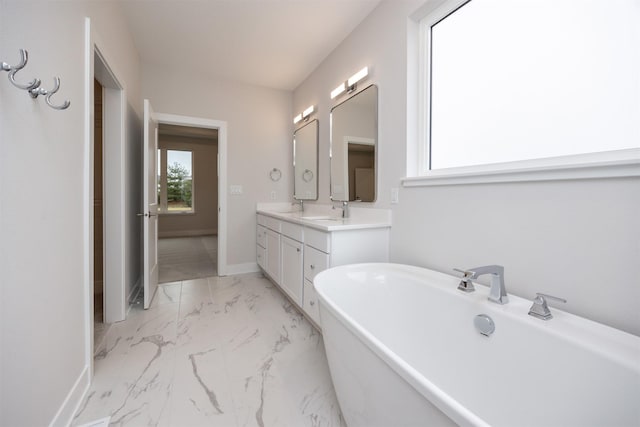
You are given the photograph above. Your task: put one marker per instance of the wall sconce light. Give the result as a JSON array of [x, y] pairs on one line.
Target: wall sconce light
[[351, 84], [304, 115]]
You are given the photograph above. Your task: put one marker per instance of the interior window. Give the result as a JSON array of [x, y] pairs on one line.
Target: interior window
[[513, 80]]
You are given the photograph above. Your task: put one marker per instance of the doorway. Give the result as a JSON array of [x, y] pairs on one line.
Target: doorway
[[108, 177], [214, 130], [188, 202], [99, 325]]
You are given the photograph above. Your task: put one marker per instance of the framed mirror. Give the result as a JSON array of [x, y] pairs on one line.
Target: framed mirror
[[305, 162], [354, 138]]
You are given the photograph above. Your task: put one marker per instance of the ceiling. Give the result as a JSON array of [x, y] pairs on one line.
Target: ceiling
[[271, 43]]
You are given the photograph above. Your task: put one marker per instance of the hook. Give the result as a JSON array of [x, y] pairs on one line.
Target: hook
[[24, 57], [65, 104], [49, 93]]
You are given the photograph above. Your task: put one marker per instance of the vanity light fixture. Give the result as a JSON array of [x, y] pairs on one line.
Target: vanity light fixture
[[304, 115], [350, 84], [337, 91]]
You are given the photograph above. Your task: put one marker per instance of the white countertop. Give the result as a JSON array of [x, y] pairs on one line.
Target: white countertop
[[326, 219]]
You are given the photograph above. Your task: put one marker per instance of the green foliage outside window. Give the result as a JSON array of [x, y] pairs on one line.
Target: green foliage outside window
[[179, 187]]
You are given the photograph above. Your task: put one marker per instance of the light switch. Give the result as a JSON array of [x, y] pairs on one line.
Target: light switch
[[394, 196], [235, 189]]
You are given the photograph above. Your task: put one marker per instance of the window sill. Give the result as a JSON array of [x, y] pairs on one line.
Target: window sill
[[627, 165]]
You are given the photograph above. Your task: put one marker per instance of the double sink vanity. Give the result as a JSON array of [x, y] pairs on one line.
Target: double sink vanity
[[292, 247]]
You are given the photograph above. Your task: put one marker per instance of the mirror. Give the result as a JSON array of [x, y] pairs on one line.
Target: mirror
[[305, 162], [354, 136]]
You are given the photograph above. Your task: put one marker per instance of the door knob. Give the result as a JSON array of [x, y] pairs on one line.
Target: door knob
[[146, 214]]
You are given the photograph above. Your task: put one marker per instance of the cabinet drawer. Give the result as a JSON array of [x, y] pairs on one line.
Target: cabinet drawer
[[311, 306], [262, 220], [260, 255], [274, 224], [260, 236], [317, 239], [314, 262], [293, 231]]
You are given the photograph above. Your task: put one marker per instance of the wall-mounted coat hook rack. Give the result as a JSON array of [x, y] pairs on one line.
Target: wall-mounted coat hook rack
[[33, 87]]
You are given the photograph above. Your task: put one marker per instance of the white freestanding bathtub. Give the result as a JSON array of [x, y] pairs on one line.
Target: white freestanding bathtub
[[403, 351]]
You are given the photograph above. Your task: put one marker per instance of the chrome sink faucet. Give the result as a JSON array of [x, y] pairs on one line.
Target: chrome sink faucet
[[497, 292], [345, 209], [301, 203]]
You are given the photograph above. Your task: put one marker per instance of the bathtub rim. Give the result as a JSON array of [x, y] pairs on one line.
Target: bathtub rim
[[628, 343], [441, 400]]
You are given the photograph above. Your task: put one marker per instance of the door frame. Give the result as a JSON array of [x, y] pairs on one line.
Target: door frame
[[221, 126], [99, 66]]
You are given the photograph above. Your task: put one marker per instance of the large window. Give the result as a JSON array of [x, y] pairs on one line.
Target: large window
[[515, 80], [175, 181]]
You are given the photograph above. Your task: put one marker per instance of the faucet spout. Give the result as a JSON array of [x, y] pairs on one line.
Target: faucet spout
[[497, 291], [345, 209], [300, 203]]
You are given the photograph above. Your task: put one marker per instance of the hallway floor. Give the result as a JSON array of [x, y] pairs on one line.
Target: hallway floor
[[182, 258], [217, 351]]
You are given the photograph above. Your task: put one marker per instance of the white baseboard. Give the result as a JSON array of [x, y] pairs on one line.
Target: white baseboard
[[74, 399], [247, 267], [187, 233]]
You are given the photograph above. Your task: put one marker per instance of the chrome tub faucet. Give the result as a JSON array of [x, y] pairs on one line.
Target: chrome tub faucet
[[540, 307], [497, 291]]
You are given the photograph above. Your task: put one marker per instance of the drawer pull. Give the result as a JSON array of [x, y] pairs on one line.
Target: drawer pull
[[298, 249], [312, 303], [312, 266]]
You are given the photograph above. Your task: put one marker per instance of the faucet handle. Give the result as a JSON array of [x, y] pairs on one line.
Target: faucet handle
[[466, 285], [540, 308], [466, 273], [551, 297]]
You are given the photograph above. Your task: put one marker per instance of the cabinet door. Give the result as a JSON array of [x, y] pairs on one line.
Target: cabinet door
[[310, 305], [272, 255], [291, 280]]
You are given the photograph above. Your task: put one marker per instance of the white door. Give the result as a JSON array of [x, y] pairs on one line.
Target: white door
[[150, 204]]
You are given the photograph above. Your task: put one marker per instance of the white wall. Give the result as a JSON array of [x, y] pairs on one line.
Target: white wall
[[42, 240], [576, 239], [259, 138]]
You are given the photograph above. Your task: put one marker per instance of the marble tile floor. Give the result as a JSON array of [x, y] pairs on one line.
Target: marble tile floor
[[217, 351]]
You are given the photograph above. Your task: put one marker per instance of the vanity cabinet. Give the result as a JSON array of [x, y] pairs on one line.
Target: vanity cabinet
[[292, 254]]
